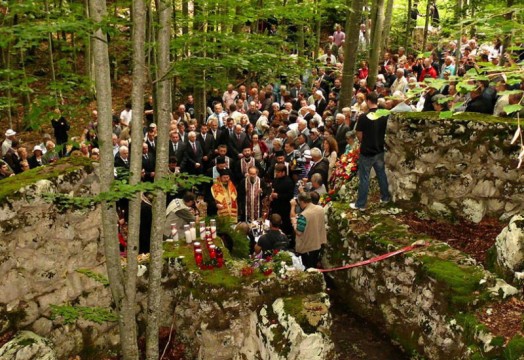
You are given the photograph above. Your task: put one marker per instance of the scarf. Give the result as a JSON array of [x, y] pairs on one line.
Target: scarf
[[252, 199]]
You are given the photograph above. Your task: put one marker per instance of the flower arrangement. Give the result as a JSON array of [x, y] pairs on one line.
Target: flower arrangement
[[274, 263], [345, 170]]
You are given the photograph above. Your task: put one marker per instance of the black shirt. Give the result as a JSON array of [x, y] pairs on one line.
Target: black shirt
[[273, 239], [373, 134]]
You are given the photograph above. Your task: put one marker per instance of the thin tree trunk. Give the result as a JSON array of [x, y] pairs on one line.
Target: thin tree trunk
[[408, 27], [387, 27], [426, 26], [87, 53], [159, 203], [375, 45], [51, 58], [98, 12], [350, 51], [507, 38], [137, 95], [24, 74], [318, 29], [9, 94], [371, 29], [301, 35]]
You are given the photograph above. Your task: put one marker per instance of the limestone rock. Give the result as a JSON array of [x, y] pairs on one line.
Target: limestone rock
[[510, 245], [26, 345], [474, 210]]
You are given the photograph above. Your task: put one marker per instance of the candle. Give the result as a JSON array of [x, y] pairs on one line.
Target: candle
[[196, 245], [198, 257], [187, 233], [212, 251], [220, 257], [193, 230], [202, 229], [174, 232], [213, 228]]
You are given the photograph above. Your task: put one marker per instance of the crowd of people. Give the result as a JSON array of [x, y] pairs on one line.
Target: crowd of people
[[271, 149]]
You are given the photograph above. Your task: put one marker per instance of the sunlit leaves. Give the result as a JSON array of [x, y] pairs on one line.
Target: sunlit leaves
[[510, 109]]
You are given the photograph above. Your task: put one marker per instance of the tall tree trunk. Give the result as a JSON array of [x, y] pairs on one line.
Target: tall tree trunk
[[387, 27], [161, 170], [375, 44], [408, 27], [371, 22], [426, 26], [9, 93], [137, 98], [301, 34], [88, 57], [507, 38], [51, 58], [98, 12], [318, 29], [199, 88], [350, 49]]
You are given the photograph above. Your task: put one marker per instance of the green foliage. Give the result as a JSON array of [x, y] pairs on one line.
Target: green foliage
[[461, 281], [515, 348], [510, 109], [240, 241], [71, 314], [95, 276], [120, 189]]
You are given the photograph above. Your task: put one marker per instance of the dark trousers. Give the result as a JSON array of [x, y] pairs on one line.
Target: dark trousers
[[310, 259]]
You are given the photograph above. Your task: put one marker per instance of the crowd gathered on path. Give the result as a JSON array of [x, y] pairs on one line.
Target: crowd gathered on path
[[271, 149]]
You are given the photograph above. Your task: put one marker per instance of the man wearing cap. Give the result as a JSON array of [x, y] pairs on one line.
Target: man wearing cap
[[310, 230], [10, 135], [224, 195]]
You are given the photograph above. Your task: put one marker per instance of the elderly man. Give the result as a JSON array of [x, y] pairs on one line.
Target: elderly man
[[220, 115], [194, 154], [310, 230], [224, 196], [179, 212], [400, 83], [250, 193], [238, 141], [10, 136], [340, 132], [320, 166]]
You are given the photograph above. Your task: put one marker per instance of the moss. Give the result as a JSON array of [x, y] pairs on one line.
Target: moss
[[294, 306], [461, 281], [515, 348], [280, 342], [471, 326], [497, 341], [11, 185]]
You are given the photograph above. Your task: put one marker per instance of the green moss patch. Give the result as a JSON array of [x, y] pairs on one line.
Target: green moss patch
[[11, 185], [461, 281], [465, 116], [515, 349]]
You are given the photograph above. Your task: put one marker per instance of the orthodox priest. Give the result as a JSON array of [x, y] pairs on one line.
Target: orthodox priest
[[225, 196], [250, 194]]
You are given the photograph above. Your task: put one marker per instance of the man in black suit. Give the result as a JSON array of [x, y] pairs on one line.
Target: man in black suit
[[177, 149], [148, 164], [208, 145], [320, 166], [340, 133], [237, 142], [227, 132], [215, 132], [122, 162], [151, 141], [194, 155], [320, 102]]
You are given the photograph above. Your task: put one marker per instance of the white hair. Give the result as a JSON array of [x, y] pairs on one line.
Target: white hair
[[316, 153]]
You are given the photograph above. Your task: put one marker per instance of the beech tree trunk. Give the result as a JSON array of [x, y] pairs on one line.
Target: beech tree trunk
[[161, 170], [375, 45], [98, 12], [137, 98], [408, 27], [426, 26], [350, 51], [387, 27]]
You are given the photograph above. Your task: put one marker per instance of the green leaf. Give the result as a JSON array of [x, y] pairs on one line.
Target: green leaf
[[510, 109], [510, 92]]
